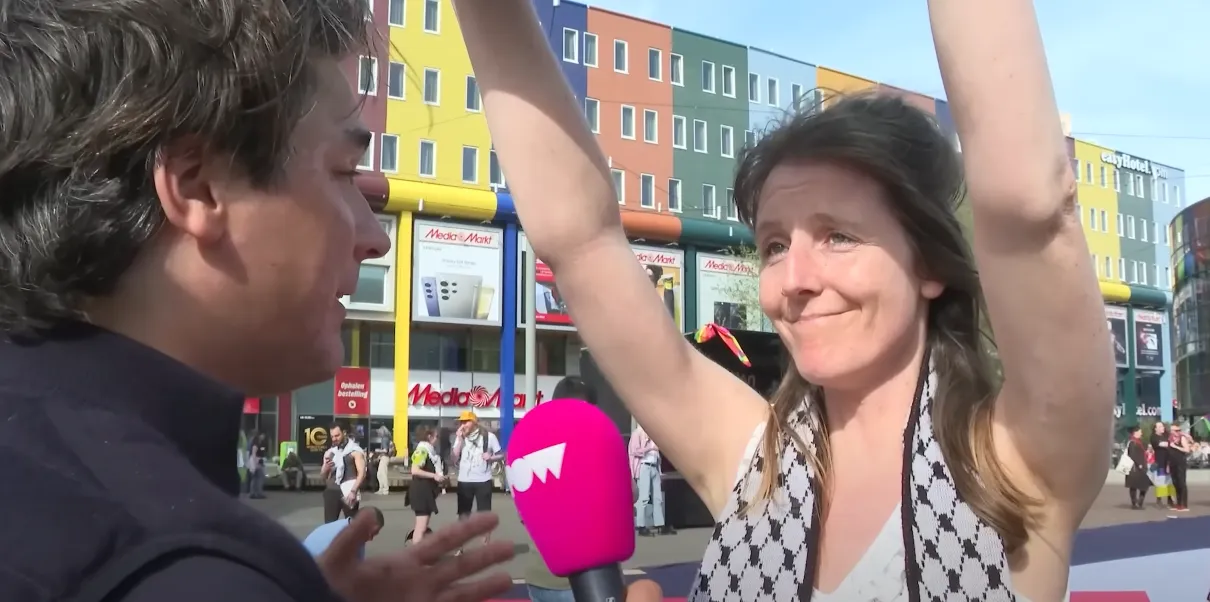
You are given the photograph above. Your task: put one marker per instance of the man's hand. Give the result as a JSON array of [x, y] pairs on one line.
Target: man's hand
[[424, 572]]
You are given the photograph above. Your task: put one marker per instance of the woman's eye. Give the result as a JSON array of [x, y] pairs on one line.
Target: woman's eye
[[771, 249], [840, 239]]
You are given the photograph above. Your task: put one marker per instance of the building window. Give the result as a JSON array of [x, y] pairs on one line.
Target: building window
[[474, 104], [1122, 269], [1092, 219], [367, 76], [651, 126], [432, 86], [709, 203], [396, 13], [571, 45], [1104, 221], [628, 122], [676, 69], [619, 184], [396, 76], [732, 210], [1143, 267], [728, 81], [375, 283], [1176, 196], [1104, 178], [388, 156], [726, 141], [592, 113], [494, 174], [432, 16], [428, 159], [1130, 227], [796, 92], [366, 163], [1129, 185], [1088, 172], [1121, 225], [708, 77], [1143, 230], [655, 64], [1167, 277], [590, 49], [700, 142], [647, 191], [1138, 185], [621, 56], [1117, 180], [470, 165], [773, 96], [753, 87], [678, 131], [674, 195], [1109, 267]]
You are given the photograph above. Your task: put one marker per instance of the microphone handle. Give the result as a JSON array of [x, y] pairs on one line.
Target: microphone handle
[[600, 584]]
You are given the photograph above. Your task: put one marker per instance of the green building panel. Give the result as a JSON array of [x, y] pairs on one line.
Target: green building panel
[[1132, 203], [709, 63]]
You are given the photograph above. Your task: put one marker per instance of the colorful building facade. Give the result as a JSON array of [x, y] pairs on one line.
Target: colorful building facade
[[434, 325]]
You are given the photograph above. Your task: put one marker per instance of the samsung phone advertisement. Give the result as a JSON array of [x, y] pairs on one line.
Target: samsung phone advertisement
[[665, 269], [457, 273], [727, 293], [1116, 317], [1148, 339]]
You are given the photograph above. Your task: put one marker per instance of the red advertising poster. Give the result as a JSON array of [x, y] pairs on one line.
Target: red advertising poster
[[548, 304], [251, 405], [351, 392]]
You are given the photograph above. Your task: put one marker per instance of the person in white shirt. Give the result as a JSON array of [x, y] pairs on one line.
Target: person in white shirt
[[645, 469], [475, 450]]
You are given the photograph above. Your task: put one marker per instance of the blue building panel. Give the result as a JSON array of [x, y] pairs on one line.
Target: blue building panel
[[571, 16], [766, 71], [946, 120]]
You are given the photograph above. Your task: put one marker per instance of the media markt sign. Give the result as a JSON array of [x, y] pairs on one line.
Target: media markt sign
[[727, 292], [1124, 161], [475, 396]]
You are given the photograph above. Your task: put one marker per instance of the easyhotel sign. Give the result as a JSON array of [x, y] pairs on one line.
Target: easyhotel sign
[[1124, 161]]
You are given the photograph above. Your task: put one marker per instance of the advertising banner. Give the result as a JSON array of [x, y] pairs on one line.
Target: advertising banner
[[313, 438], [1116, 317], [549, 310], [1148, 339], [664, 267], [727, 290], [351, 392], [251, 405], [456, 271]]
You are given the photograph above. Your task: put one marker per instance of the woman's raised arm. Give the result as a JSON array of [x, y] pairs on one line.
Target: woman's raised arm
[[700, 415], [1056, 406]]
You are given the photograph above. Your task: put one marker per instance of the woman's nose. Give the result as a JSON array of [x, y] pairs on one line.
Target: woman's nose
[[802, 273]]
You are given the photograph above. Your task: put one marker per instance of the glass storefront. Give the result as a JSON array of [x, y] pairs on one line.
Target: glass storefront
[[1190, 234]]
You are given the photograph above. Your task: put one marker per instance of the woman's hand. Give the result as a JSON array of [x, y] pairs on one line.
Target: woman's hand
[[424, 572]]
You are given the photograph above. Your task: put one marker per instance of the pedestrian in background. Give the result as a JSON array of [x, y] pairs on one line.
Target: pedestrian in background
[[1179, 446], [645, 463], [1137, 479]]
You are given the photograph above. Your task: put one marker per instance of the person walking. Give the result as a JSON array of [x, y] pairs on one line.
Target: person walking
[[257, 453], [383, 472], [1179, 446], [343, 472], [645, 469], [475, 449], [428, 474], [1137, 480]]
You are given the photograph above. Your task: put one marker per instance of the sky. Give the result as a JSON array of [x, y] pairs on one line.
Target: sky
[[1131, 74]]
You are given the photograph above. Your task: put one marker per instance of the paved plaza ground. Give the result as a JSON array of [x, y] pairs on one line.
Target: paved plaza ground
[[302, 512]]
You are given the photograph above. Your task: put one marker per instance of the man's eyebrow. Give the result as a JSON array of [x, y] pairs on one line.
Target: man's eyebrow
[[358, 136]]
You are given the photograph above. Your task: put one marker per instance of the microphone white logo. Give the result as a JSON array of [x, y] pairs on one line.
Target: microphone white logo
[[541, 463]]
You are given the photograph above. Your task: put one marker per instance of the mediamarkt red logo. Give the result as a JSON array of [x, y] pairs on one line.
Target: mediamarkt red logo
[[729, 267], [657, 258], [474, 238], [475, 396]]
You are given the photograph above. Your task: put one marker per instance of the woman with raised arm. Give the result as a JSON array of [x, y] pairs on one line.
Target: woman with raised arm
[[870, 284]]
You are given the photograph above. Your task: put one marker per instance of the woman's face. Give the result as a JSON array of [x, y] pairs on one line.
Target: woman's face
[[1159, 428], [837, 278]]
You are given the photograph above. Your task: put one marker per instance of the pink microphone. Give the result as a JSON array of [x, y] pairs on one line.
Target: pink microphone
[[570, 474]]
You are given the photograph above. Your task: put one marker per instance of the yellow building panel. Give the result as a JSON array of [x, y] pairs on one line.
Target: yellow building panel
[[435, 199], [833, 82], [1098, 204], [445, 120], [403, 328]]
